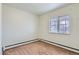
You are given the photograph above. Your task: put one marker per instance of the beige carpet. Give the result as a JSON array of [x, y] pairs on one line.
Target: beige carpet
[[38, 48]]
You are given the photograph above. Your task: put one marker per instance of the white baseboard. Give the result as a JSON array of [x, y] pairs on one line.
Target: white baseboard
[[38, 39], [19, 44]]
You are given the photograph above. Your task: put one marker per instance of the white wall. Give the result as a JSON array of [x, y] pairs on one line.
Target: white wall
[[72, 39], [18, 26], [0, 30]]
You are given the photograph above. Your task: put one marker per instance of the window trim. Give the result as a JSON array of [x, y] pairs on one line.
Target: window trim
[[58, 31]]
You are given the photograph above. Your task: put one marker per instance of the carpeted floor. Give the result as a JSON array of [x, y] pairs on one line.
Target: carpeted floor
[[38, 48]]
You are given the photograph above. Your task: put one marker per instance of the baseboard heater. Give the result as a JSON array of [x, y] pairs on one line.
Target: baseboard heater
[[53, 43], [19, 44], [62, 46]]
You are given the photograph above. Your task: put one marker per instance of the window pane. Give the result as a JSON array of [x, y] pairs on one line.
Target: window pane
[[64, 24], [62, 28], [54, 21], [67, 22], [53, 24], [53, 29]]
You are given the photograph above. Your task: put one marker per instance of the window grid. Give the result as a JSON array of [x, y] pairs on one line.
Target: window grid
[[59, 25]]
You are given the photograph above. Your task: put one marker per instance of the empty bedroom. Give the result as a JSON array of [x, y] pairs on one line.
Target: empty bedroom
[[40, 29]]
